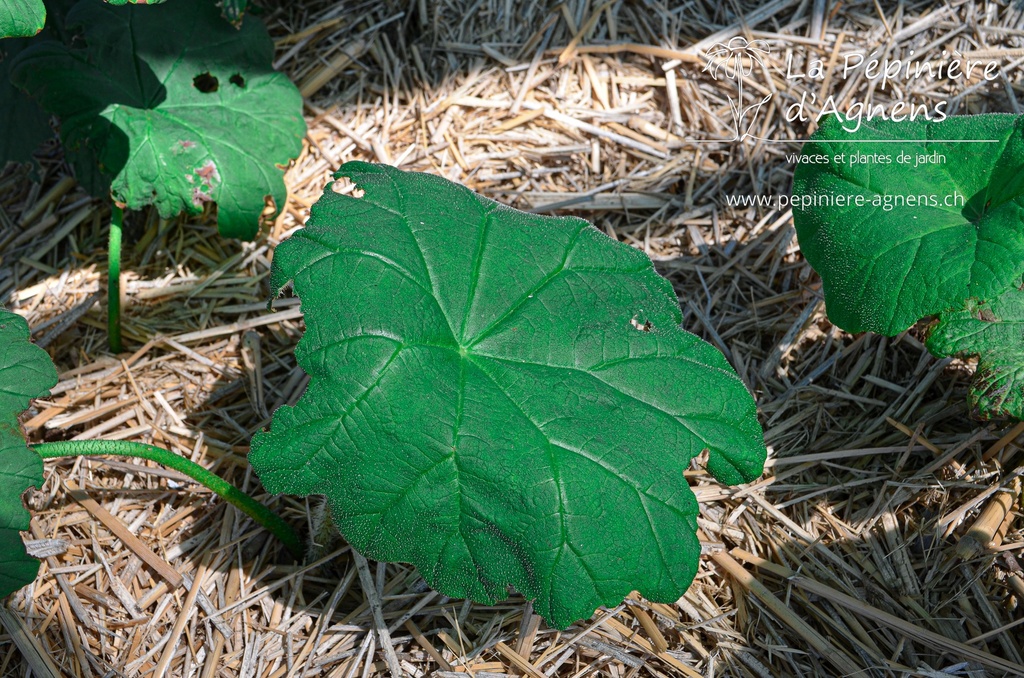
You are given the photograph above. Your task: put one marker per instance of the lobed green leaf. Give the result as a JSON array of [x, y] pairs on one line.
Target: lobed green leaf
[[499, 398], [174, 118], [26, 372], [885, 268], [907, 254]]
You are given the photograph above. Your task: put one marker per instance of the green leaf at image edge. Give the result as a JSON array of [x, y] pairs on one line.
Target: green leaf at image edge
[[884, 268], [21, 18], [174, 118], [501, 399], [903, 254], [26, 372], [993, 331]]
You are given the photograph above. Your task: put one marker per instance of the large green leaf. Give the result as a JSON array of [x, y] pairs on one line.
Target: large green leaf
[[26, 372], [994, 331], [171, 106], [940, 233], [28, 124], [499, 398], [21, 18], [883, 268]]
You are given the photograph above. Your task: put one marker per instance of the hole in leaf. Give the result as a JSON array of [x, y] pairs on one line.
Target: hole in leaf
[[642, 325], [344, 186], [237, 80], [206, 83]]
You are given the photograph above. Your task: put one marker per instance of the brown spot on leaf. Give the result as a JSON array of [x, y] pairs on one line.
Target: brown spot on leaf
[[209, 173], [985, 314]]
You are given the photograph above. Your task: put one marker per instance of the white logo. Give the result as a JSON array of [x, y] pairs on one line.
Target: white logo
[[737, 59]]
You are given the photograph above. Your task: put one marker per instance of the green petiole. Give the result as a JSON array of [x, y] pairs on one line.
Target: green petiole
[[114, 280], [123, 448]]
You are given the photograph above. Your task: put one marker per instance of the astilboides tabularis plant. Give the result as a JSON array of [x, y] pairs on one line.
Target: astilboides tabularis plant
[[499, 398], [938, 236], [170, 106]]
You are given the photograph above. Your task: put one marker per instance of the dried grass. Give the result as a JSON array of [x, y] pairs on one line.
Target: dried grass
[[882, 541]]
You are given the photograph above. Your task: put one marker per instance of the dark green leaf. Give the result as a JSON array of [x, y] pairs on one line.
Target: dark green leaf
[[26, 372], [885, 268], [171, 106], [21, 18], [28, 123], [994, 331], [499, 398]]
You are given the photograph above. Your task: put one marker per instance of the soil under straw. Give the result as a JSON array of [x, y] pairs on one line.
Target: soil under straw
[[860, 552]]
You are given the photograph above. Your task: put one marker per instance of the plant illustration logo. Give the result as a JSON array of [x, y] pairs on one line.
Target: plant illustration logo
[[736, 60]]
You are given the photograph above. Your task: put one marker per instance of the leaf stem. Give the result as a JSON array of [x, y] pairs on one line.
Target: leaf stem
[[114, 280], [124, 448]]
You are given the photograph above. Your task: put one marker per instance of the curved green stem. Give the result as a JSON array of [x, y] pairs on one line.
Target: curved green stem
[[124, 448], [114, 280]]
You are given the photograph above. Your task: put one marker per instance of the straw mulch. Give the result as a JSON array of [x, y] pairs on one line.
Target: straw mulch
[[883, 540]]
